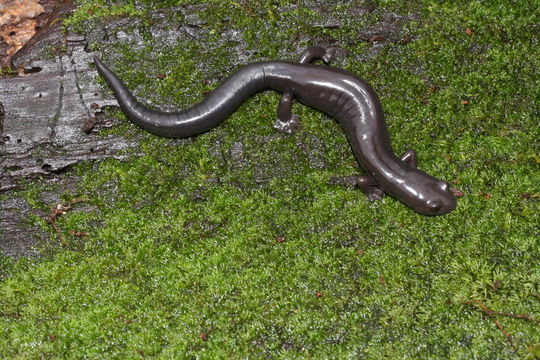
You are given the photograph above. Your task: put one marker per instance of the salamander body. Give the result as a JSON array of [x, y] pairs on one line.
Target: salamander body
[[339, 93]]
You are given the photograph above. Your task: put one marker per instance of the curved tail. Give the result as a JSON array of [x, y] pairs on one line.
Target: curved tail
[[219, 104]]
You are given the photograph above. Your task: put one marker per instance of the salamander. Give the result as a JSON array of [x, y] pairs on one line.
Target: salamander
[[337, 92]]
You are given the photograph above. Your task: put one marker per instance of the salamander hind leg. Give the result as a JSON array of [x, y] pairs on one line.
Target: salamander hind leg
[[286, 121], [366, 183], [312, 53]]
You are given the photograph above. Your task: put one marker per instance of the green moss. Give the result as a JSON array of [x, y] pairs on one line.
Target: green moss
[[94, 9], [199, 249]]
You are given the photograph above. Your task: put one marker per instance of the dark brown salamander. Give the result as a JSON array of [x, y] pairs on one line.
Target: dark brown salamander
[[336, 92]]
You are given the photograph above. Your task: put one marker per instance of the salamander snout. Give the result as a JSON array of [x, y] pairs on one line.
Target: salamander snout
[[442, 200], [425, 194], [443, 205]]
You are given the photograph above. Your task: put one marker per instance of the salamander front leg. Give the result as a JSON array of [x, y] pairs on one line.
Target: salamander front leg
[[366, 183], [286, 122], [369, 186], [409, 158]]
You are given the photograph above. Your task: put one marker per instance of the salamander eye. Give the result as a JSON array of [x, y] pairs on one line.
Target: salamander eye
[[444, 186], [434, 205]]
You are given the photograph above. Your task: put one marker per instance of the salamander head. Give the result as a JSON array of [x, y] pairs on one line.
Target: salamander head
[[426, 194]]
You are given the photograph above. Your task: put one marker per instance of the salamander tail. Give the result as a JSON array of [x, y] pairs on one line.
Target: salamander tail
[[135, 111], [215, 108]]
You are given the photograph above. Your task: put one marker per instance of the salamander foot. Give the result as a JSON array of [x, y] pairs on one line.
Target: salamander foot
[[369, 187], [365, 183], [373, 193], [288, 126], [330, 54], [312, 53]]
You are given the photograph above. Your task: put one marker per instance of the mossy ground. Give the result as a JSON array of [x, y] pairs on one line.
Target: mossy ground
[[196, 250]]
